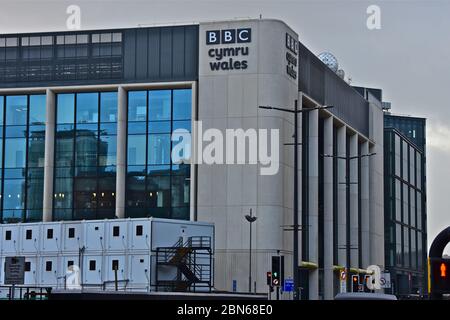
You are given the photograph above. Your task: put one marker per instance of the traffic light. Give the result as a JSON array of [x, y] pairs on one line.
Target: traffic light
[[355, 283], [276, 271], [440, 277], [269, 278]]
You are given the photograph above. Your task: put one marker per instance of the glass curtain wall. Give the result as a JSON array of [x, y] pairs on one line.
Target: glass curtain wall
[[155, 185], [85, 156], [22, 141]]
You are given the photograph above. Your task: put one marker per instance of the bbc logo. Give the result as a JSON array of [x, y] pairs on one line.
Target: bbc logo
[[229, 36], [291, 43]]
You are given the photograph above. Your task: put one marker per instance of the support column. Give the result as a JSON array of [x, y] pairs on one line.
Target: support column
[[49, 156], [313, 196], [365, 210], [354, 227], [121, 166], [328, 276], [342, 198]]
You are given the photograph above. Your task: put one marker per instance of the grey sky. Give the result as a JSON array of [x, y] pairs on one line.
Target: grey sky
[[409, 58]]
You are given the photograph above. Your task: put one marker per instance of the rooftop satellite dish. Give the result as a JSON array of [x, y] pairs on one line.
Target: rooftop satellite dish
[[330, 60]]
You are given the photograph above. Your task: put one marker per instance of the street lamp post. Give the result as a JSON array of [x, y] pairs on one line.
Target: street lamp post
[[250, 218], [296, 111]]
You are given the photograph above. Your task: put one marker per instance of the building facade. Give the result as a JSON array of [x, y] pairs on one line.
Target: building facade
[[405, 204], [87, 120]]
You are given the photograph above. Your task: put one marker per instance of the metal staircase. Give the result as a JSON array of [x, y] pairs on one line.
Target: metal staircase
[[186, 266]]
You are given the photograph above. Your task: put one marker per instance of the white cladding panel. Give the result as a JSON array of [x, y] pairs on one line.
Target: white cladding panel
[[51, 237], [72, 234], [11, 240], [31, 238], [31, 276], [95, 239], [48, 271], [140, 271], [140, 234], [92, 270], [117, 235]]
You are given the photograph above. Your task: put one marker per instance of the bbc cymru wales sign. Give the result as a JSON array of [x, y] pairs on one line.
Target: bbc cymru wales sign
[[230, 57]]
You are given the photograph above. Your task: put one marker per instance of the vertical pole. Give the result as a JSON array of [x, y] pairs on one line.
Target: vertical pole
[[250, 258], [121, 151], [49, 157], [116, 286], [295, 231]]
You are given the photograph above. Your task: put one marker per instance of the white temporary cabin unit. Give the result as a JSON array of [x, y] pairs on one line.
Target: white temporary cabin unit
[[95, 247]]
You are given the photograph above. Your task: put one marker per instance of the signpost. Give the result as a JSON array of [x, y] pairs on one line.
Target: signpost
[[14, 272], [288, 285], [343, 278], [385, 280]]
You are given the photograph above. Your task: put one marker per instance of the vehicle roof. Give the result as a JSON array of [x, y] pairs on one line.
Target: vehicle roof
[[364, 296]]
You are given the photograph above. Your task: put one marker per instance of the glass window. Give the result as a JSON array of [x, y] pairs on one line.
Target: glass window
[[406, 247], [398, 203], [136, 150], [412, 168], [158, 188], [419, 210], [16, 110], [137, 106], [413, 250], [36, 149], [180, 191], [35, 192], [1, 109], [86, 150], [108, 107], [419, 170], [37, 109], [87, 107], [63, 193], [397, 155], [405, 204], [159, 105], [419, 251], [15, 153], [14, 190], [398, 251], [165, 190], [182, 104], [405, 153], [107, 150], [64, 149], [159, 149], [65, 108]]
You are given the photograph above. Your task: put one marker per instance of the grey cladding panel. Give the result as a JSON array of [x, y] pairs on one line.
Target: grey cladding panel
[[178, 40], [154, 50], [129, 61], [166, 53], [163, 54], [141, 53]]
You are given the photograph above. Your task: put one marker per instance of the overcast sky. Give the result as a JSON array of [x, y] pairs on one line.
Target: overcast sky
[[409, 57]]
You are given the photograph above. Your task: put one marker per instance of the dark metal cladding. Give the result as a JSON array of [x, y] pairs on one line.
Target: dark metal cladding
[[97, 57], [324, 86]]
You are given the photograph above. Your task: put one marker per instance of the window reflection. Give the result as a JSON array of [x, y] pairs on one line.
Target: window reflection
[[86, 156], [165, 189]]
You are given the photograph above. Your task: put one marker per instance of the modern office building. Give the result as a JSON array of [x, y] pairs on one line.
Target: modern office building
[[86, 127], [405, 203]]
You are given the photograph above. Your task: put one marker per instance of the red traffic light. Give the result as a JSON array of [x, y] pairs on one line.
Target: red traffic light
[[443, 269]]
